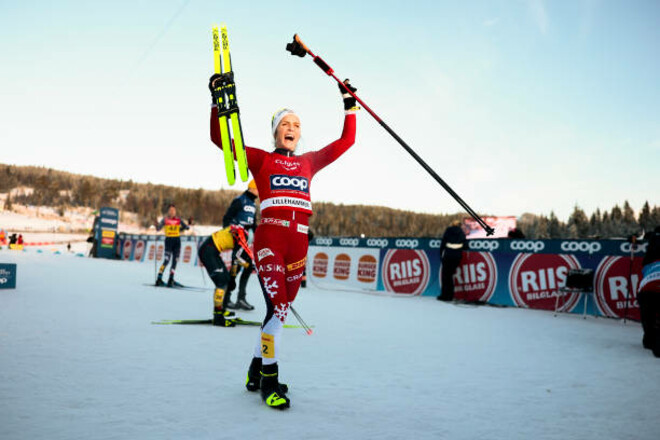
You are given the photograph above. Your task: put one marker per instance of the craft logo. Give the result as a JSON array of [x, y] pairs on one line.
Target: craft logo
[[406, 271], [280, 182], [187, 253], [139, 250], [535, 280], [128, 246], [475, 278], [320, 265], [612, 285], [342, 267], [367, 269]]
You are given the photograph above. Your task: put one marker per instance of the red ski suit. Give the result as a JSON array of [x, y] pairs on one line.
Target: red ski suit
[[281, 241]]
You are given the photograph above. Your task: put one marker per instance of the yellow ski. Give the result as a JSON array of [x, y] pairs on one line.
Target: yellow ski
[[221, 102]]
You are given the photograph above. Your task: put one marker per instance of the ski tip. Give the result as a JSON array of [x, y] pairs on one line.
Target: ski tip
[[309, 331]]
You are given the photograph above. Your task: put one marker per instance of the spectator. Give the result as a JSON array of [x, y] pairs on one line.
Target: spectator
[[649, 293], [451, 252], [19, 240], [516, 233]]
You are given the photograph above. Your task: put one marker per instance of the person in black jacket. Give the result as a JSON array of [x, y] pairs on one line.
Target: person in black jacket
[[648, 296], [451, 252], [241, 212]]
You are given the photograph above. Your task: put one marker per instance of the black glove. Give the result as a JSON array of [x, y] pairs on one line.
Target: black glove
[[215, 86], [349, 102]]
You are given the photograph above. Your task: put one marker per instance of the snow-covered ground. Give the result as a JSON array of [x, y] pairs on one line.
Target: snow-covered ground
[[79, 358]]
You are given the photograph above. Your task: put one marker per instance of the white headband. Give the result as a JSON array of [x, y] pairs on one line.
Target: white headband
[[278, 116]]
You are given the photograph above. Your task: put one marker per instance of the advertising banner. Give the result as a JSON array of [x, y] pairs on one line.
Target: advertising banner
[[106, 232], [351, 267], [7, 276]]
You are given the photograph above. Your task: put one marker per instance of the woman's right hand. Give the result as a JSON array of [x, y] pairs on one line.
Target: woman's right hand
[[350, 102]]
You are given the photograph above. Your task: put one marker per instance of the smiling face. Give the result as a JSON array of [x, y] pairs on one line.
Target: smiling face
[[288, 133], [171, 211]]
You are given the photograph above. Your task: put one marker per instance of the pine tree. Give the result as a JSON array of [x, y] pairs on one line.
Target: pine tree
[[645, 220], [578, 224]]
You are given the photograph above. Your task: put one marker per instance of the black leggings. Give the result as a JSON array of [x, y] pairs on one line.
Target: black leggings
[[450, 262], [212, 261], [172, 251]]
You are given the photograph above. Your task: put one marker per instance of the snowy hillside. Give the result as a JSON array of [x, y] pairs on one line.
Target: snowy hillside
[[79, 358]]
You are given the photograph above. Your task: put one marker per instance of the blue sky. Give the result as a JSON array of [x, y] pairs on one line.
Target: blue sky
[[522, 106]]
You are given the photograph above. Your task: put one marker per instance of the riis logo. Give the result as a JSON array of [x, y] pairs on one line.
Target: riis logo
[[475, 278], [406, 271], [615, 285], [535, 281], [280, 182], [581, 246]]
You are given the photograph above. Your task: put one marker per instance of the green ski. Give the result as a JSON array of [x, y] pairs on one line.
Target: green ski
[[239, 321], [228, 111]]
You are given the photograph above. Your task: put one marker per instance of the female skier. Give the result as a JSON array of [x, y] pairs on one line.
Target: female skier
[[280, 242]]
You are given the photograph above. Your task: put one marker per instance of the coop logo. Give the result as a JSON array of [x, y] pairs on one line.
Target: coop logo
[[614, 285], [4, 280], [435, 244], [320, 265], [485, 245], [280, 182], [139, 250], [289, 166], [406, 243], [187, 253], [367, 269], [527, 245], [324, 241], [109, 221], [349, 242], [378, 242], [535, 280], [342, 267], [128, 247], [475, 278], [581, 246], [627, 248], [406, 271]]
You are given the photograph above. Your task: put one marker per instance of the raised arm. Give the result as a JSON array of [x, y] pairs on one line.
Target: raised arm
[[324, 157]]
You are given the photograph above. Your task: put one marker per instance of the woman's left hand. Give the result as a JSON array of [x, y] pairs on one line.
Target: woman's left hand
[[350, 102]]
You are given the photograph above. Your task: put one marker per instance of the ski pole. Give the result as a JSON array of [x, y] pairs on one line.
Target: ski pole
[[307, 328], [297, 47]]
